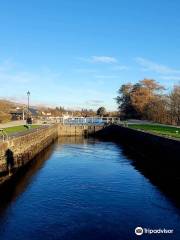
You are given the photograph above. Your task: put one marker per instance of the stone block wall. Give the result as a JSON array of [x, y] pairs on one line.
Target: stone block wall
[[19, 151], [77, 130], [155, 147]]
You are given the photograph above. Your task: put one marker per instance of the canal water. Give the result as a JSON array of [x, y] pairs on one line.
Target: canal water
[[86, 189]]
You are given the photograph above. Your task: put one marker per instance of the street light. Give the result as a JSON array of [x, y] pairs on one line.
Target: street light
[[28, 95]]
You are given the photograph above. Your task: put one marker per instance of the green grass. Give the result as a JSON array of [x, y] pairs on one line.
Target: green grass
[[17, 129], [158, 129]]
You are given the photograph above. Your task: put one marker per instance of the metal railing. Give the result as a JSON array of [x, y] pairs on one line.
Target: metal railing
[[83, 120], [3, 135]]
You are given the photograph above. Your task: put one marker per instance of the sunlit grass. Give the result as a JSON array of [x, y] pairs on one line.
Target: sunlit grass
[[158, 129], [21, 128]]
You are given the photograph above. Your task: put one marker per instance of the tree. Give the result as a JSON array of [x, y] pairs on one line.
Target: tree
[[124, 101], [140, 98], [175, 104], [151, 85], [143, 94], [101, 111], [134, 99], [157, 110]]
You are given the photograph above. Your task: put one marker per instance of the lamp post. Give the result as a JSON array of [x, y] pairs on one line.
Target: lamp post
[[28, 95], [23, 113]]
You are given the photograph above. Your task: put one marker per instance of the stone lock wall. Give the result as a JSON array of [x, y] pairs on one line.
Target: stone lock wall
[[151, 145], [77, 130], [20, 150]]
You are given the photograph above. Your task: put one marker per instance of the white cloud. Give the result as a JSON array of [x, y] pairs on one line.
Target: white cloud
[[51, 88], [148, 65], [106, 76], [172, 78], [85, 70], [10, 73], [94, 103], [100, 59], [103, 59], [120, 67]]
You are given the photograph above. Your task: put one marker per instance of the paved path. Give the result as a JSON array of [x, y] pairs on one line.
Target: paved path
[[12, 124], [17, 134]]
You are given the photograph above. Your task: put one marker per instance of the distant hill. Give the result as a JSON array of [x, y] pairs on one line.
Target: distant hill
[[8, 107], [5, 108]]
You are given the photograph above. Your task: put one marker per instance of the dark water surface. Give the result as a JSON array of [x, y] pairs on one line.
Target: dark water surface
[[85, 189]]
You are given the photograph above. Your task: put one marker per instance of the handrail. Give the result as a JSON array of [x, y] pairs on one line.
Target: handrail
[[4, 134]]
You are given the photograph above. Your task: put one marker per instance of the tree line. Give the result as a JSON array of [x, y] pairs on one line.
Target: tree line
[[148, 100]]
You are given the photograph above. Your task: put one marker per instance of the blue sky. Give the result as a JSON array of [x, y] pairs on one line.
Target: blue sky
[[76, 54]]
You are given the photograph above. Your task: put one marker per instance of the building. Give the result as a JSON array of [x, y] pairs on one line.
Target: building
[[20, 113]]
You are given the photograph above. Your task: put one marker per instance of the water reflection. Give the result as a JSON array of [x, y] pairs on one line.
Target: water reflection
[[162, 173], [13, 189], [89, 189], [165, 178], [73, 140]]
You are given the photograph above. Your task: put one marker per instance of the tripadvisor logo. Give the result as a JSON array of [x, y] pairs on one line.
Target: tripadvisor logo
[[139, 231]]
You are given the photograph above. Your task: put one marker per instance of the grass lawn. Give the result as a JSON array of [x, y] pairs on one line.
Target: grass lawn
[[159, 129], [17, 129]]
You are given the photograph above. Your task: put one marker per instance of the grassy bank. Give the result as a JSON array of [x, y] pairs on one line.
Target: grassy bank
[[17, 129], [158, 129]]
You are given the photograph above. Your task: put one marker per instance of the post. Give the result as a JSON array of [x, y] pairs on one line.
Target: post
[[28, 95], [23, 114]]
